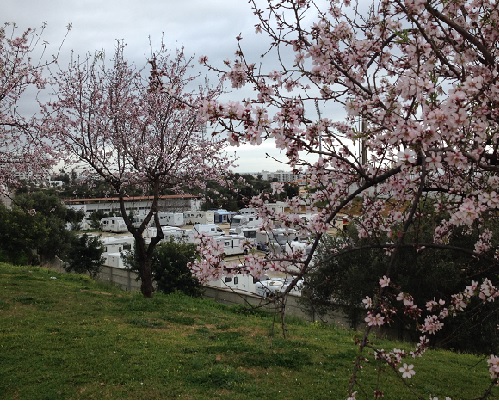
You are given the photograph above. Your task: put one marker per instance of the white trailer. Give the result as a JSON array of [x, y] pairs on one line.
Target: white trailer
[[276, 285], [171, 219], [238, 278], [192, 217], [234, 244], [240, 221], [113, 260], [168, 231], [211, 230], [113, 224], [276, 238], [117, 244], [165, 219]]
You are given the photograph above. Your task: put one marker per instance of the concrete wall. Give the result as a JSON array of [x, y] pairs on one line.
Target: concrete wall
[[293, 306], [127, 280], [124, 278]]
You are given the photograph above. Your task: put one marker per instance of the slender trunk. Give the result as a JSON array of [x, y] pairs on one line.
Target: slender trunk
[[144, 265], [146, 276]]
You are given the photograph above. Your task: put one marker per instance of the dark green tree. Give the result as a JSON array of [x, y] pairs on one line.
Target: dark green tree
[[339, 281], [169, 267], [85, 255], [33, 230]]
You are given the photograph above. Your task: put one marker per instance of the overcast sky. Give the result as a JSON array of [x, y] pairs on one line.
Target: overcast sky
[[203, 27]]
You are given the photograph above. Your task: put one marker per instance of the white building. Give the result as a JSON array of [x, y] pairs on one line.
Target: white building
[[136, 204]]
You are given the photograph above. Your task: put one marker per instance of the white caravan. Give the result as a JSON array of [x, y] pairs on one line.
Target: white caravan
[[113, 248], [276, 285], [237, 278], [198, 217], [233, 244], [276, 239], [117, 244], [209, 230], [113, 224], [169, 232], [171, 219], [240, 221], [165, 219]]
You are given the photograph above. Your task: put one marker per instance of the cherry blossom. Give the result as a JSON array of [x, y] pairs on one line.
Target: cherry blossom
[[384, 282], [374, 320], [407, 371], [137, 128], [417, 81]]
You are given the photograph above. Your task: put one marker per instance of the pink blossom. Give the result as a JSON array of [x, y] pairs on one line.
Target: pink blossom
[[493, 363], [372, 320], [407, 371], [407, 156], [432, 324], [384, 282]]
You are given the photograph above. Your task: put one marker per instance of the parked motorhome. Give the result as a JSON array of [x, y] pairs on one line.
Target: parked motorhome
[[276, 238], [237, 278], [222, 216], [192, 217], [113, 224], [234, 244], [117, 244], [273, 286], [171, 219], [247, 210], [113, 248], [168, 231], [239, 221], [113, 260], [211, 230], [165, 219]]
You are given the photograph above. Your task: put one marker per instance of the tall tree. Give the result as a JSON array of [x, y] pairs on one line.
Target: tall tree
[[23, 152], [135, 128], [418, 81]]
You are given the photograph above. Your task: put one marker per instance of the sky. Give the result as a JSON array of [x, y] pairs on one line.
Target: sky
[[203, 27]]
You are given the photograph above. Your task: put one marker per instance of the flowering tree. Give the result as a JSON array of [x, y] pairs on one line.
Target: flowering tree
[[418, 84], [23, 152], [135, 131]]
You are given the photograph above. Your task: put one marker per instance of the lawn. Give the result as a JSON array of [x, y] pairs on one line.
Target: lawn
[[64, 336]]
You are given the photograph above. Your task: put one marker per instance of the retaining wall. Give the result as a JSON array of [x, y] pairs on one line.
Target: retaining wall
[[127, 280]]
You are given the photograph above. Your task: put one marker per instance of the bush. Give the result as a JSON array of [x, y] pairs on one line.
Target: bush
[[169, 268], [85, 255]]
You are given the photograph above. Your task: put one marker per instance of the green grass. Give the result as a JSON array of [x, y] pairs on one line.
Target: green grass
[[72, 338]]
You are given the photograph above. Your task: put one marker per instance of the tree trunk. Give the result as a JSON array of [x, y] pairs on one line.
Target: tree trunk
[[144, 265], [146, 286]]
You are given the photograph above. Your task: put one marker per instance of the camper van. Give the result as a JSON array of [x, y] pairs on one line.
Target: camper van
[[237, 278], [165, 219], [273, 286], [113, 224], [168, 231], [233, 244], [113, 248], [239, 221], [276, 239], [211, 230], [192, 217]]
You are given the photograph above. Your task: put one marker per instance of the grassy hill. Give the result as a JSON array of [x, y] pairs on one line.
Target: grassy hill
[[64, 336]]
